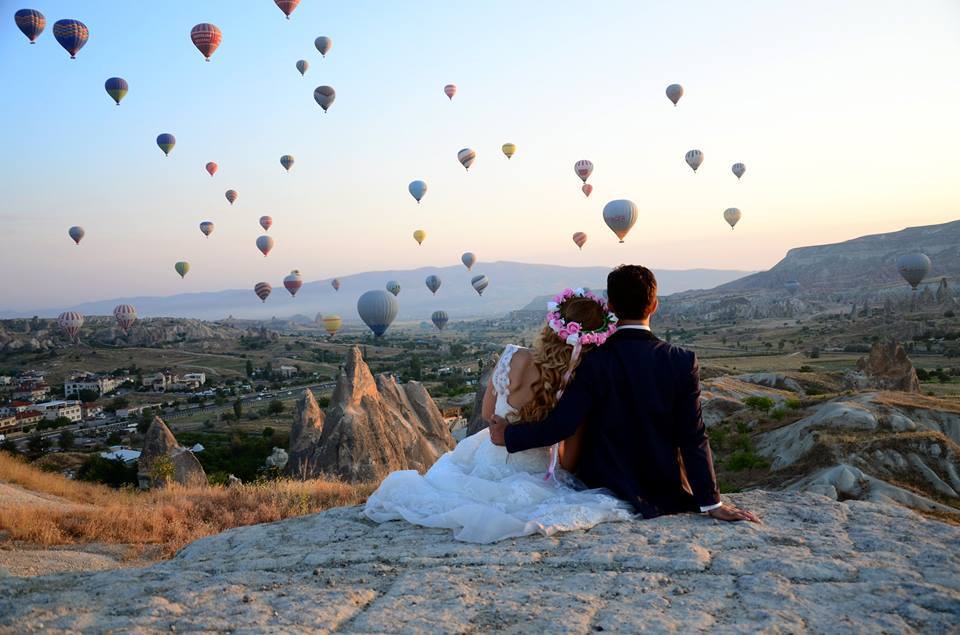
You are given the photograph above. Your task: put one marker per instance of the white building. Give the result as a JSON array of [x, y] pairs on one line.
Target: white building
[[89, 381], [286, 372], [55, 409]]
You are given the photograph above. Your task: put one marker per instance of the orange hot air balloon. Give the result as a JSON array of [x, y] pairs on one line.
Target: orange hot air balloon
[[587, 189], [580, 239], [211, 168], [206, 37], [287, 6]]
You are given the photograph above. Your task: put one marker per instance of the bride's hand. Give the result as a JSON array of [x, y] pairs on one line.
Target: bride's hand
[[497, 427]]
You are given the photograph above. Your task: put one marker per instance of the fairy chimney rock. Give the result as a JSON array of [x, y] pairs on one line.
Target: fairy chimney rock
[[164, 461], [307, 429], [888, 367]]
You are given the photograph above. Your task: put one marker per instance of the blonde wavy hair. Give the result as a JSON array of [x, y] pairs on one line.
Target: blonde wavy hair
[[552, 356]]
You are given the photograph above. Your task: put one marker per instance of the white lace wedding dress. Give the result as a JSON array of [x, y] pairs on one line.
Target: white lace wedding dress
[[485, 494]]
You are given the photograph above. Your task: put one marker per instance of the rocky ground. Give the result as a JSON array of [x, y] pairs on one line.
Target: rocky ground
[[815, 565]]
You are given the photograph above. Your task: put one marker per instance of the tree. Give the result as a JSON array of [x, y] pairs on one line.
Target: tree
[[416, 368], [88, 396], [275, 407], [114, 439], [37, 445], [9, 447], [268, 371], [268, 432], [113, 472], [238, 408], [60, 422], [249, 368], [66, 440], [144, 424]]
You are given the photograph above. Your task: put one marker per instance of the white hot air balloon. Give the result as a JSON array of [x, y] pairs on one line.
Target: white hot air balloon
[[674, 93], [738, 169], [620, 215], [914, 268], [584, 169], [417, 189], [732, 216], [694, 158], [378, 309], [468, 259]]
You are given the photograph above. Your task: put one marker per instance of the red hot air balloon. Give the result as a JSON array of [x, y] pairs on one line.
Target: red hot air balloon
[[266, 222], [287, 6], [262, 289], [125, 315], [587, 189], [70, 322], [211, 168], [231, 196], [206, 37], [450, 90], [293, 282], [580, 239]]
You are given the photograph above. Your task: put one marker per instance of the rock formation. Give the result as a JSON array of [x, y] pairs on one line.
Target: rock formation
[[476, 423], [278, 459], [372, 427], [163, 460], [886, 367]]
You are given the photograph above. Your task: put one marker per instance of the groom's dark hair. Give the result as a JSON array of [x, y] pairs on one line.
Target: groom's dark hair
[[632, 292]]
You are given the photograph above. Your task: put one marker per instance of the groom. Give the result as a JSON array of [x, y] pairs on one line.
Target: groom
[[639, 399]]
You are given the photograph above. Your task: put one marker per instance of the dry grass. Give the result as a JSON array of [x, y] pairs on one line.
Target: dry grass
[[168, 518]]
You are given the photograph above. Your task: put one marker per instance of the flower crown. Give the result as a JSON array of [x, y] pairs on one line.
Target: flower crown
[[573, 333]]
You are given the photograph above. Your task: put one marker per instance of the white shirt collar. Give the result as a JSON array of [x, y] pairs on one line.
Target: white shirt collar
[[636, 327]]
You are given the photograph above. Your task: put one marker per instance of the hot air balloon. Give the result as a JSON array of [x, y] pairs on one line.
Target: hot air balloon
[[433, 283], [674, 93], [293, 282], [377, 309], [206, 37], [580, 239], [393, 287], [914, 268], [732, 216], [417, 189], [332, 324], [468, 260], [165, 142], [76, 233], [324, 96], [509, 149], [71, 34], [419, 236], [584, 169], [266, 222], [30, 22], [70, 322], [694, 158], [620, 215], [302, 66], [263, 289], [738, 169], [587, 189], [125, 315], [335, 283], [264, 244], [479, 283], [117, 88], [450, 90], [182, 268], [466, 157], [287, 161], [231, 195], [792, 287], [287, 6], [206, 227], [439, 319], [323, 44], [211, 168]]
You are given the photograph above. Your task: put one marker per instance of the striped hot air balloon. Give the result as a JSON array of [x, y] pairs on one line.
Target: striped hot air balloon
[[393, 287], [378, 309], [466, 157], [468, 259], [323, 44], [335, 283], [263, 289], [30, 22], [76, 233], [738, 170], [265, 244], [70, 322], [125, 315], [419, 236], [580, 239], [206, 37], [583, 168], [266, 222], [732, 216], [439, 319], [302, 66], [433, 283], [117, 88], [206, 227], [231, 195], [324, 96], [293, 282], [211, 168], [166, 141], [71, 34], [450, 90], [694, 158], [479, 283], [332, 324], [587, 189], [287, 6], [182, 268], [287, 161]]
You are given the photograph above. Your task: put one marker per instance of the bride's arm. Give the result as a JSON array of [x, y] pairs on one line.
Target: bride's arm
[[489, 401], [570, 450]]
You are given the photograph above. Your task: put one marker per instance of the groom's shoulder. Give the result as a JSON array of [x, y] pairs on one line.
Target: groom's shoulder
[[677, 355]]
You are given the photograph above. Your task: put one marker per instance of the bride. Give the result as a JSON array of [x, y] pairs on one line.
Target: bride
[[485, 494]]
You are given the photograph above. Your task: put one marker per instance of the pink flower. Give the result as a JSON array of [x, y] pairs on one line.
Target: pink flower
[[573, 328], [587, 339], [564, 333]]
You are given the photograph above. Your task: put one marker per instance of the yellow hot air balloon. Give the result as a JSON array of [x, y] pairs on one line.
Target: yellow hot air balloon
[[332, 324], [419, 236], [509, 149]]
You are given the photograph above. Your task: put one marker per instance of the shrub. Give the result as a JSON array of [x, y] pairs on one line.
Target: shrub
[[777, 414], [112, 472], [267, 432], [745, 460], [275, 407], [806, 369], [793, 404], [759, 403]]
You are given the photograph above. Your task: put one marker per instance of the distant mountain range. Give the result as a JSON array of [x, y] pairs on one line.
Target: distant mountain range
[[512, 285]]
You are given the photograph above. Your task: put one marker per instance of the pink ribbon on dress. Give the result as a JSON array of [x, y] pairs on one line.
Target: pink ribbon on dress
[[555, 448]]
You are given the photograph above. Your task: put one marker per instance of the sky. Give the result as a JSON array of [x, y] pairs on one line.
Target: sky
[[844, 112]]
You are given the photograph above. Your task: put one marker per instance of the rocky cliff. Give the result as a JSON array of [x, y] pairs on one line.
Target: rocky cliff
[[163, 460]]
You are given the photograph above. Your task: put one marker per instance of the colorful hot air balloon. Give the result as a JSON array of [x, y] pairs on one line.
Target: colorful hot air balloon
[[125, 315], [182, 268], [324, 96], [439, 319], [419, 236], [30, 22], [738, 169], [792, 287], [266, 222], [674, 93], [335, 283], [302, 66], [323, 44], [287, 161], [433, 283], [468, 259], [332, 324], [620, 215], [71, 34], [211, 168], [206, 227], [377, 309], [293, 282], [417, 189], [76, 233], [479, 283], [450, 90], [165, 142], [117, 88], [264, 244], [70, 322], [509, 149], [580, 239], [732, 216], [206, 37], [231, 195], [587, 189], [393, 287], [466, 157], [287, 6], [694, 158], [263, 289], [584, 169], [914, 268]]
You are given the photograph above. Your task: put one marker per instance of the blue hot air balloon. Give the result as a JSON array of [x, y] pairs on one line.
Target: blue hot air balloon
[[433, 283], [166, 141], [117, 88], [378, 309], [30, 22], [71, 34]]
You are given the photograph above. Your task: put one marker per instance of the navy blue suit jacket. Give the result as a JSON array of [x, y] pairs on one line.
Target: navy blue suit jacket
[[644, 439]]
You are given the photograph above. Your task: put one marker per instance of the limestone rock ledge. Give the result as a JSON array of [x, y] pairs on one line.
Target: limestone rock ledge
[[815, 565]]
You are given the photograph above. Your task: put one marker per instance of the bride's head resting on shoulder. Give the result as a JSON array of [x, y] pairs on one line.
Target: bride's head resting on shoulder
[[577, 322]]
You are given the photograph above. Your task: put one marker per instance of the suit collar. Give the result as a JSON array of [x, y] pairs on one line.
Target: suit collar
[[633, 334]]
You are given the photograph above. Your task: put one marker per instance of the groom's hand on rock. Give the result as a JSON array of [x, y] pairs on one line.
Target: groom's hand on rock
[[497, 427], [730, 513]]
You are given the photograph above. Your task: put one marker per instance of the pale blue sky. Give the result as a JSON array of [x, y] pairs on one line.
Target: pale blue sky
[[845, 113]]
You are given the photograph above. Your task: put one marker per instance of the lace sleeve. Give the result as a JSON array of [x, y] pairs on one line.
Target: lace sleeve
[[501, 373]]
